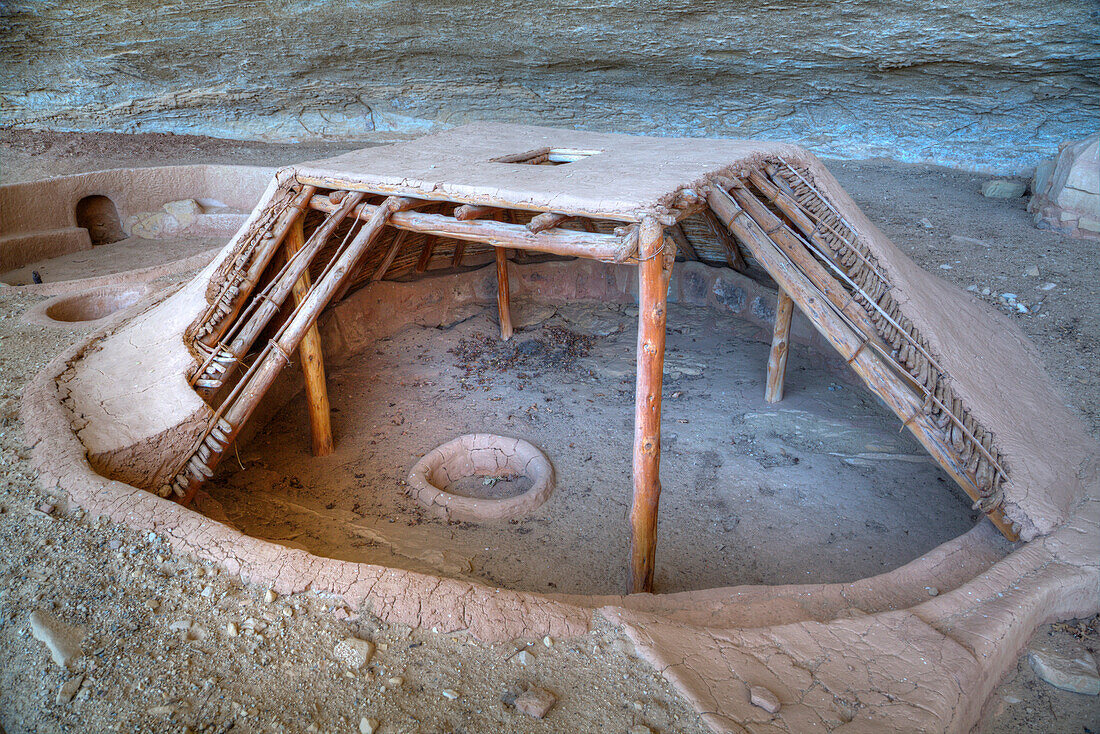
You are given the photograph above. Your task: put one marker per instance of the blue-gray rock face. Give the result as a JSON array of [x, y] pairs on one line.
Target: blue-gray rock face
[[993, 85]]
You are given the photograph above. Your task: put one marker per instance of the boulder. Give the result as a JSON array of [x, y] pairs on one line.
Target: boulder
[[1066, 190]]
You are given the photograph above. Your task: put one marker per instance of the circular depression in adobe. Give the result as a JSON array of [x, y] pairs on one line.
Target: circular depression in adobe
[[439, 481], [92, 305]]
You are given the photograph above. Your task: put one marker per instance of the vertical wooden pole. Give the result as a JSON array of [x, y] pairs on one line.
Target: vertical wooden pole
[[503, 304], [313, 364], [777, 359], [653, 276]]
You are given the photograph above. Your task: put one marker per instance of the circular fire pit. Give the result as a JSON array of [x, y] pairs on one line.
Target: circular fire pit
[[434, 479]]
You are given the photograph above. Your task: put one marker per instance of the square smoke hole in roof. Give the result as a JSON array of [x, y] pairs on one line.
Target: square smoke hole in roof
[[547, 156]]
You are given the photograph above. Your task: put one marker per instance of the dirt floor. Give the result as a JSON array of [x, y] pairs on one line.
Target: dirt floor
[[819, 488], [159, 655]]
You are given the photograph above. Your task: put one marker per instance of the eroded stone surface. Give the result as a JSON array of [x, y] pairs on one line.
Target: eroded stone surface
[[944, 81], [535, 702], [1066, 190]]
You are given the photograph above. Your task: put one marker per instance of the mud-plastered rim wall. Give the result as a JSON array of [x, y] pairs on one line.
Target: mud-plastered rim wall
[[707, 643]]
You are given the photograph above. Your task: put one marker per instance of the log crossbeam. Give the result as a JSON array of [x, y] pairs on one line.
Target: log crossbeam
[[606, 248]]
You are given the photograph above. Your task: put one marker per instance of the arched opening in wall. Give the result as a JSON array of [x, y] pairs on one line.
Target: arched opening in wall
[[99, 216]]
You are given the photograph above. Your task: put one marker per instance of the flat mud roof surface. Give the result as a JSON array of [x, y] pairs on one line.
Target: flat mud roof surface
[[619, 176]]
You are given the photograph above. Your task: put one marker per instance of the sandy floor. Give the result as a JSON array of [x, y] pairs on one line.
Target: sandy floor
[[141, 675], [819, 488]]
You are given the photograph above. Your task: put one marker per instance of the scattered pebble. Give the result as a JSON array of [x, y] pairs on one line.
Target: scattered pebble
[[925, 223], [765, 699], [1048, 286], [45, 508], [548, 641], [270, 596], [368, 726], [62, 640], [535, 702], [932, 590], [69, 688], [450, 693], [353, 652], [523, 657], [231, 629], [640, 729], [395, 681], [1032, 272], [945, 266]]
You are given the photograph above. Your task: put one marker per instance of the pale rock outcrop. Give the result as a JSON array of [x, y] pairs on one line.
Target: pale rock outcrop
[[1066, 190]]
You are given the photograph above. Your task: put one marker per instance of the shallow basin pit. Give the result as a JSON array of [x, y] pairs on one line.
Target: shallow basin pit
[[446, 479], [88, 307]]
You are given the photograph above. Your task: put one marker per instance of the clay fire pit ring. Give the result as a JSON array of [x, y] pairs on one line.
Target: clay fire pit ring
[[481, 454]]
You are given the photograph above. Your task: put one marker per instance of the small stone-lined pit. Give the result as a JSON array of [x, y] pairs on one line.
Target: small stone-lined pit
[[481, 455]]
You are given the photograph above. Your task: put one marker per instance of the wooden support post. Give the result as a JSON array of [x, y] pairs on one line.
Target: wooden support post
[[504, 307], [426, 254], [653, 276], [777, 359], [313, 363], [473, 211]]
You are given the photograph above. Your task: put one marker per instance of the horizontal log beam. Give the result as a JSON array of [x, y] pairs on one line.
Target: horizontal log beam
[[333, 182], [569, 243]]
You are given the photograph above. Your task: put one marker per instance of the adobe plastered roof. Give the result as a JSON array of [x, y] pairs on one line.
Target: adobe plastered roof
[[621, 177]]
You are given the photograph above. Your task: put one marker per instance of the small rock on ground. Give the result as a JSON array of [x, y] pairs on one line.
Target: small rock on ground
[[1071, 670], [368, 726], [1003, 189], [535, 702], [62, 640], [765, 699], [353, 652], [69, 688]]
